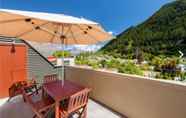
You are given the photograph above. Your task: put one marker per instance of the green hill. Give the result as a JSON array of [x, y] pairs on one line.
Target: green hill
[[164, 33]]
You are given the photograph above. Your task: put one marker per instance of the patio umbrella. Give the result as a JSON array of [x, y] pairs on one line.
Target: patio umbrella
[[50, 28]]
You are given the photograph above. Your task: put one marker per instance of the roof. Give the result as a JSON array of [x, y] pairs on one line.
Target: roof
[[53, 17]]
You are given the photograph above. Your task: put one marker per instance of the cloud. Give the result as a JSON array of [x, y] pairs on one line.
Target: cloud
[[111, 32]]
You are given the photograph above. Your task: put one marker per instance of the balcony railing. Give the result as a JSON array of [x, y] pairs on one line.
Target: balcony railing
[[133, 96]]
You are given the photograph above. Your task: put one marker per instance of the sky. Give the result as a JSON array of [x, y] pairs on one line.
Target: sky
[[114, 15]]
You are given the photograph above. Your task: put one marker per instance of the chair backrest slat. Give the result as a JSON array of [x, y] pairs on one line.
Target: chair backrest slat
[[50, 78], [78, 100], [26, 96]]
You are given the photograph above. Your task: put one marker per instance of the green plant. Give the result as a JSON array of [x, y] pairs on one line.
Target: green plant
[[183, 61], [60, 54], [157, 63], [183, 76], [113, 63], [130, 68], [103, 63], [145, 67], [93, 64], [169, 69], [167, 76], [83, 58]]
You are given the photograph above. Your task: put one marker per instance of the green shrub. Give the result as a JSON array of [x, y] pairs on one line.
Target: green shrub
[[103, 63], [59, 54], [166, 76], [168, 69], [93, 64], [157, 63], [183, 76], [183, 61], [130, 68], [83, 58], [113, 63], [80, 60], [145, 67]]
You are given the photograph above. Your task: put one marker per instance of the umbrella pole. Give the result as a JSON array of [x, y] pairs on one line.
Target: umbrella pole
[[63, 62]]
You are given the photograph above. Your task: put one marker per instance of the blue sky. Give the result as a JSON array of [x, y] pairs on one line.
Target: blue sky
[[113, 15]]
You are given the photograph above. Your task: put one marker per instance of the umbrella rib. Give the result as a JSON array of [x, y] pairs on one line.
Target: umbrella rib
[[62, 29], [12, 20], [46, 30], [66, 33], [97, 29], [61, 34], [73, 37], [65, 40], [88, 34], [31, 30], [74, 34], [94, 38], [53, 36], [69, 28]]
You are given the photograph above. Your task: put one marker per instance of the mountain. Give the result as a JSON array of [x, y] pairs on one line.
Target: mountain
[[164, 33], [47, 49]]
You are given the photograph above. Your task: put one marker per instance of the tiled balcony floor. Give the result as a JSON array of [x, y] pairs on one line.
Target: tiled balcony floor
[[16, 108]]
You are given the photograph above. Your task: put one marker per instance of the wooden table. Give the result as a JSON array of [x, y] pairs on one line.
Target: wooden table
[[59, 91]]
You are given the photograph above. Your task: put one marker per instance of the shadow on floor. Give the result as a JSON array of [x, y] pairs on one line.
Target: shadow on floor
[[16, 108]]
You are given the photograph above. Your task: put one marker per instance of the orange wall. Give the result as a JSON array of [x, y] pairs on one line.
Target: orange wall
[[12, 66]]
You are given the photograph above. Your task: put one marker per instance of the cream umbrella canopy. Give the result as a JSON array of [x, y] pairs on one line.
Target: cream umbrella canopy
[[50, 28]]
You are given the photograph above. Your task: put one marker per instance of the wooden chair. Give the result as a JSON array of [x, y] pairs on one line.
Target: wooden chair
[[47, 79], [40, 106], [16, 87], [77, 104], [50, 78]]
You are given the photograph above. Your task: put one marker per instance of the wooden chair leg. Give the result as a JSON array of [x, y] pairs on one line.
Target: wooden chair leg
[[85, 112], [57, 114], [24, 99], [43, 93], [34, 116], [9, 99], [38, 116], [35, 86]]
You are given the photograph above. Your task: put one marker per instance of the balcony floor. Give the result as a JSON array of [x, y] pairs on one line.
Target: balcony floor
[[16, 108]]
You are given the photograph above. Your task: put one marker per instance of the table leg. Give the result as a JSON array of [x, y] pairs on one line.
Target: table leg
[[43, 92], [57, 110]]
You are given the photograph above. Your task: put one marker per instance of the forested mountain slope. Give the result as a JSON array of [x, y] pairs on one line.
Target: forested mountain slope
[[164, 33]]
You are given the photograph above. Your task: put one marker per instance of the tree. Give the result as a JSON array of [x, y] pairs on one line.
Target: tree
[[59, 54]]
